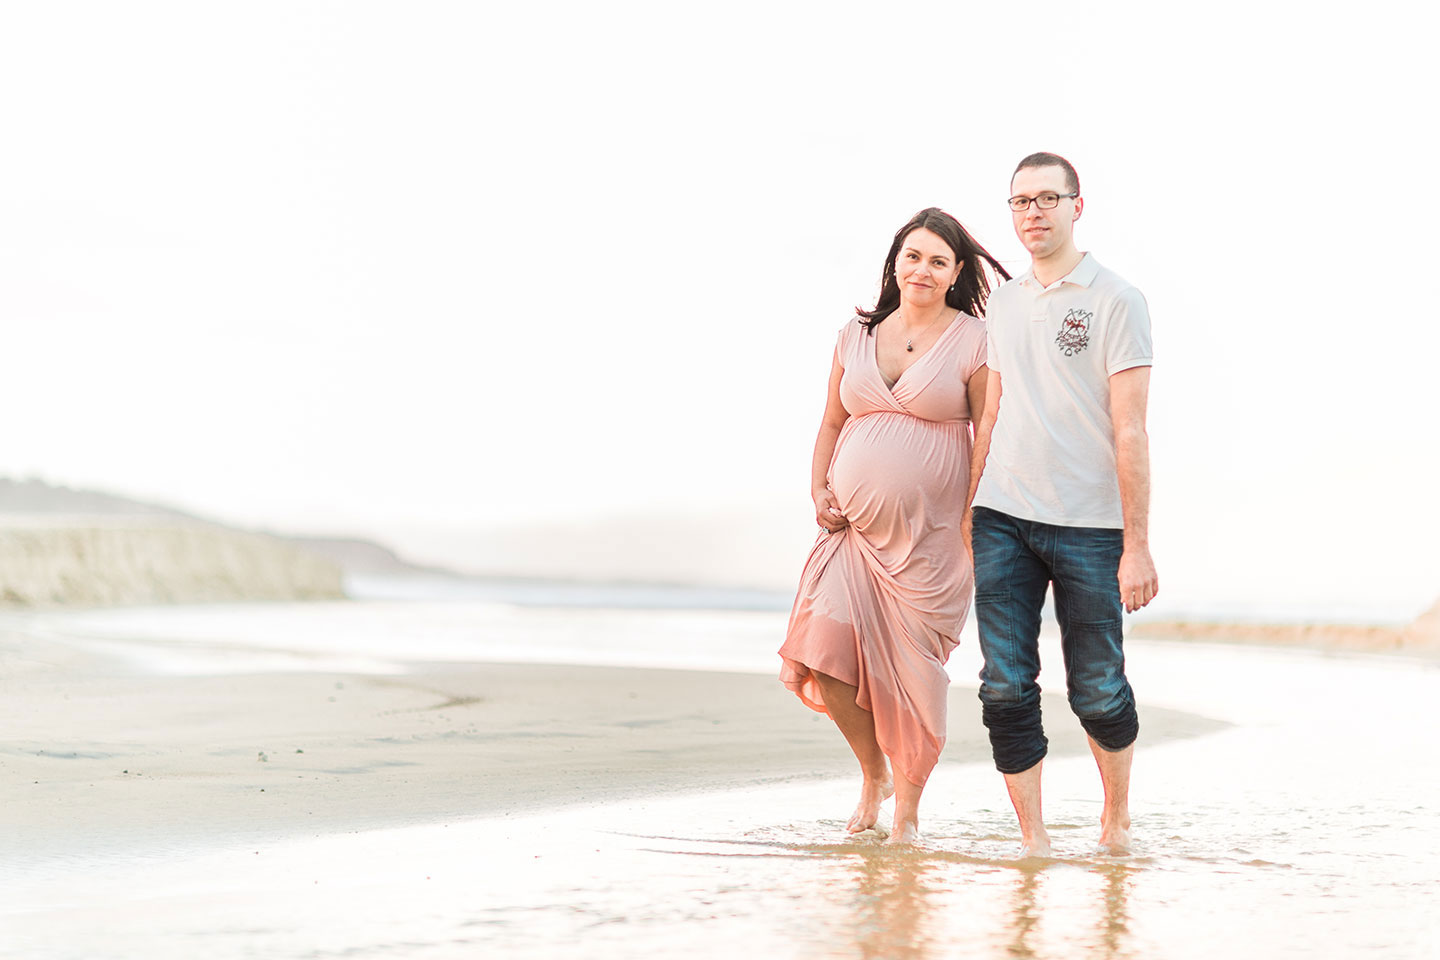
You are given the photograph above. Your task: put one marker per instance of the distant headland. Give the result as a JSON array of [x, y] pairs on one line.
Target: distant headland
[[66, 547]]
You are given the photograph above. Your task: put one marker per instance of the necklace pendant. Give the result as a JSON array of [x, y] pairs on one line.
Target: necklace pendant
[[908, 347]]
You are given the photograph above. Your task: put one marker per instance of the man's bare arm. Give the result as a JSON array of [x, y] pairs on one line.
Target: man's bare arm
[[1129, 395]]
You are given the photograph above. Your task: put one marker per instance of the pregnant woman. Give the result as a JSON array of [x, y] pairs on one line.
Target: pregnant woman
[[887, 586]]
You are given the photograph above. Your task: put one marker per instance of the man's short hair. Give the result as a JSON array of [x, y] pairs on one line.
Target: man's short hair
[[1072, 179]]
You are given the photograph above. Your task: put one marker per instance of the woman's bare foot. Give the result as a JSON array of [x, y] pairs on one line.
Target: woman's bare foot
[[867, 811], [904, 831]]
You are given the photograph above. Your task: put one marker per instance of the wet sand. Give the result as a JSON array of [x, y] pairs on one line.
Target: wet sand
[[100, 755], [275, 781]]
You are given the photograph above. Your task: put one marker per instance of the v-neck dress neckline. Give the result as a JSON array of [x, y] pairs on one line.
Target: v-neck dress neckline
[[958, 319]]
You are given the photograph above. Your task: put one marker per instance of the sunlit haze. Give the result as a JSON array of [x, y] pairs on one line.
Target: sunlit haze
[[562, 281]]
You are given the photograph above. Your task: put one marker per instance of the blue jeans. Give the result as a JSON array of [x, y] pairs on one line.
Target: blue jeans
[[1015, 560]]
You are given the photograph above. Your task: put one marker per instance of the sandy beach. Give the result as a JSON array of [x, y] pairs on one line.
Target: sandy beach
[[99, 754], [453, 779]]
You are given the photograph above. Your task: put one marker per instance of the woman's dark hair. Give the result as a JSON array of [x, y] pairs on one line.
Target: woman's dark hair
[[972, 287]]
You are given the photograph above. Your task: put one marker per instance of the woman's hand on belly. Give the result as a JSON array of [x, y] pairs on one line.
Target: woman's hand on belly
[[827, 511]]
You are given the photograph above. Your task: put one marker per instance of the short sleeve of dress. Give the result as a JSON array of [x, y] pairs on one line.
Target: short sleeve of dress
[[978, 350], [845, 341], [1127, 333]]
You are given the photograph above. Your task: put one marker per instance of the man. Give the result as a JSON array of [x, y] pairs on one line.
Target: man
[[1060, 485]]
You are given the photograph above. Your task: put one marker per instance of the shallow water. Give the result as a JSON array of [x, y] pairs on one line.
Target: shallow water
[[758, 871], [1307, 829]]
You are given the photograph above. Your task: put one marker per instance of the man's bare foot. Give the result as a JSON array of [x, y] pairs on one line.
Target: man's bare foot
[[904, 831], [867, 811], [1115, 840], [1038, 847]]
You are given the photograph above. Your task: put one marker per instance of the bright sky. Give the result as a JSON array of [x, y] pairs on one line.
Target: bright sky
[[396, 268]]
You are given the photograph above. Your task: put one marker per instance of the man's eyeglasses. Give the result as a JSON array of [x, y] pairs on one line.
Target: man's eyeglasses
[[1045, 201]]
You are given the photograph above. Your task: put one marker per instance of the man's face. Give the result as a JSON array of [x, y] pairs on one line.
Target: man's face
[[1044, 231]]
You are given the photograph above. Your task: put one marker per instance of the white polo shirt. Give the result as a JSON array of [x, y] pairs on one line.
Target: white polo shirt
[[1052, 454]]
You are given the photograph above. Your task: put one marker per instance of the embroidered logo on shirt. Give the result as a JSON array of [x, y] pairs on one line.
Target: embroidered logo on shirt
[[1074, 334]]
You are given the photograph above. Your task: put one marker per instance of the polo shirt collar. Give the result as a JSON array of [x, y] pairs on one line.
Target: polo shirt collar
[[1082, 276], [1084, 273]]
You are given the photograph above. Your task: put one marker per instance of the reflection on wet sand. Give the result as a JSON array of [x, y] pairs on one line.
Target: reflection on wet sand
[[1115, 926], [929, 901], [893, 901], [898, 898], [1022, 910]]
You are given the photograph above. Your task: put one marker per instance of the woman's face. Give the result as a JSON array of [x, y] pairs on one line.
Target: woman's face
[[925, 268]]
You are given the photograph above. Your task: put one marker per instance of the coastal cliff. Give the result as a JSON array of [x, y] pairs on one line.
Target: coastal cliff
[[66, 547], [103, 561]]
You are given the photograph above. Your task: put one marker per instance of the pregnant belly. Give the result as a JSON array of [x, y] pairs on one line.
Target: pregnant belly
[[891, 470]]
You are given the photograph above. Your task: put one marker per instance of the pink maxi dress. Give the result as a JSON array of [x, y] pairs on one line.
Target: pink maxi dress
[[881, 602]]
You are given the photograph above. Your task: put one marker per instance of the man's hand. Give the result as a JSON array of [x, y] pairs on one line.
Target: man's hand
[[1138, 581]]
